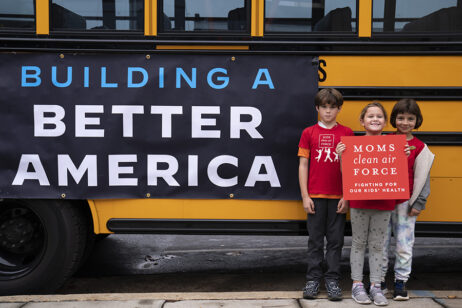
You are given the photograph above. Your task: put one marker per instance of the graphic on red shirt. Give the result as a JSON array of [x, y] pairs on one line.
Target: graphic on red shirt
[[326, 140], [324, 176]]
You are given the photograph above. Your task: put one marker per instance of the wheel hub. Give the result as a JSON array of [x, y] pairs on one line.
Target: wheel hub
[[16, 235]]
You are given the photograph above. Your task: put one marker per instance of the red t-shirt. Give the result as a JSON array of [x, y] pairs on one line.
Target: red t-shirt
[[318, 145], [383, 205], [416, 146]]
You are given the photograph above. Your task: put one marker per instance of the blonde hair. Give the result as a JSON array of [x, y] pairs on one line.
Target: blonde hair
[[373, 104]]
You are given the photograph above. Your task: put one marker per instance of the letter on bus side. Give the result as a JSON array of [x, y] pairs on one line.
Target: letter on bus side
[[88, 165], [40, 120], [224, 80], [166, 113], [54, 77], [30, 72], [212, 170], [82, 121], [38, 174], [142, 83], [181, 74], [197, 122], [154, 173], [270, 176], [127, 113], [258, 81], [115, 170], [250, 127]]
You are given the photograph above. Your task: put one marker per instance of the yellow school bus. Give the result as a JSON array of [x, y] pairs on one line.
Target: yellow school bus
[[369, 50]]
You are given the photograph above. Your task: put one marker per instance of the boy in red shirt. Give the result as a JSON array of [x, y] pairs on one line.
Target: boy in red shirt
[[321, 189]]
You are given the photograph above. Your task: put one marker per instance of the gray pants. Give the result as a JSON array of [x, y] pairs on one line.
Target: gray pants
[[369, 227]]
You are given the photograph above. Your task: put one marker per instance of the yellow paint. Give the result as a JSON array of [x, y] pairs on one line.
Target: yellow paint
[[365, 18], [42, 17], [94, 215], [201, 47], [444, 201], [440, 207], [439, 116], [393, 71], [196, 209], [150, 17], [257, 17], [448, 164], [147, 18]]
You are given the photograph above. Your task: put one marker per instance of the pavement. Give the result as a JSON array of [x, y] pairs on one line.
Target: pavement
[[280, 299]]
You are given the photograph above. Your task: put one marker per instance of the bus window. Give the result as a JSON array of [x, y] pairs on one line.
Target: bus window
[[204, 15], [97, 15], [310, 16], [409, 16], [16, 14]]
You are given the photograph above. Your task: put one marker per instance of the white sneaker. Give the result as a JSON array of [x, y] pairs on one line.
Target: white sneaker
[[377, 295], [358, 293]]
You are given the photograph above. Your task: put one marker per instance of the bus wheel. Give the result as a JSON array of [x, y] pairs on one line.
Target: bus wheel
[[41, 243], [101, 236]]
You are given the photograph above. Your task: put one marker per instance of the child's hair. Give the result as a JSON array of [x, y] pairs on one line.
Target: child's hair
[[406, 105], [373, 104], [328, 96]]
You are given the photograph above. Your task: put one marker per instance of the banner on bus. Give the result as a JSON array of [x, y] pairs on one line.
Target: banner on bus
[[375, 168], [163, 126]]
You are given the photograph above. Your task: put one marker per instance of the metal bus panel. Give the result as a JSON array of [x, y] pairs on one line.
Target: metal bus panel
[[392, 71]]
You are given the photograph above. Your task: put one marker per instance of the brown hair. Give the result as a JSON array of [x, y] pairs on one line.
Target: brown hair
[[406, 105], [328, 96], [373, 104]]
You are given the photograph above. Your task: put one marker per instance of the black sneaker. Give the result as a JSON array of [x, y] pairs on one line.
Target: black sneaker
[[400, 292], [334, 293], [311, 290]]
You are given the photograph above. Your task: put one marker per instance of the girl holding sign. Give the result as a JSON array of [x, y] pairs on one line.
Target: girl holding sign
[[406, 117], [369, 222]]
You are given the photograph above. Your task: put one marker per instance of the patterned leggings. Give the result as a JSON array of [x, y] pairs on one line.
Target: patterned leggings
[[403, 227], [369, 228]]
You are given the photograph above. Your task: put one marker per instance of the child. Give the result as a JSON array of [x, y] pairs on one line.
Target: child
[[321, 190], [369, 222], [405, 117]]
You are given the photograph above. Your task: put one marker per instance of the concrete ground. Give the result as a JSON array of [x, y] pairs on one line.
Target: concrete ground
[[280, 299]]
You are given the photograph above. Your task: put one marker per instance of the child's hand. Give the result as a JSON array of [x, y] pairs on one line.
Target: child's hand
[[407, 150], [340, 148], [342, 207], [414, 212], [308, 205]]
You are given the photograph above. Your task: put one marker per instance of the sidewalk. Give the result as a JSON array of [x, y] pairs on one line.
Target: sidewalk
[[420, 299]]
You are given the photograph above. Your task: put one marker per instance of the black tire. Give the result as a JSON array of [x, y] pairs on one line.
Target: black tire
[[41, 244], [89, 245], [101, 236]]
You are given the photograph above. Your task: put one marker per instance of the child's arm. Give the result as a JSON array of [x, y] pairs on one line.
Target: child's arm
[[419, 203], [422, 167], [340, 149], [407, 150], [308, 204], [343, 206]]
